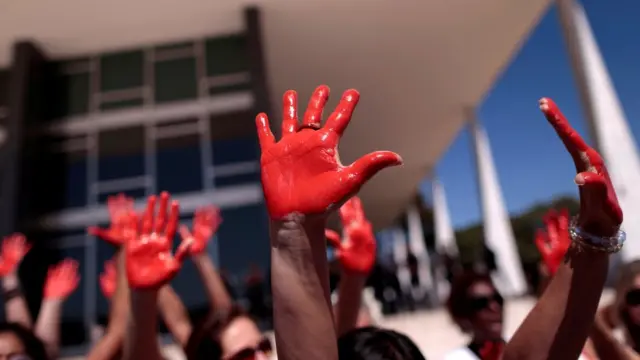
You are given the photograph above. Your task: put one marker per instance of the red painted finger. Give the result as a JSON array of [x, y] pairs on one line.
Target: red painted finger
[[289, 113], [339, 119], [147, 219], [542, 243], [333, 238], [363, 169], [571, 139], [172, 223], [161, 218], [592, 182], [183, 249], [103, 234], [313, 116], [265, 136]]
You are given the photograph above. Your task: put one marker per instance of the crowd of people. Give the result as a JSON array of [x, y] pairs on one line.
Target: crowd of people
[[303, 182]]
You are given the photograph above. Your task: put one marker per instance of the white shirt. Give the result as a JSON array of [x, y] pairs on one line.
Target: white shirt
[[464, 353]]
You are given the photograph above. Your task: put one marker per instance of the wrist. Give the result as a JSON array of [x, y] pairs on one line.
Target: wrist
[[53, 301], [288, 231]]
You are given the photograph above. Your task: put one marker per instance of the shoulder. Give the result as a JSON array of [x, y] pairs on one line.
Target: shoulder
[[462, 353]]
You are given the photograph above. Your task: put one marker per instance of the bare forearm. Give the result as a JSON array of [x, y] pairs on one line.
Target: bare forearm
[[48, 325], [16, 309], [219, 298], [140, 340], [349, 301], [174, 315], [300, 284], [558, 325], [607, 346], [110, 344]]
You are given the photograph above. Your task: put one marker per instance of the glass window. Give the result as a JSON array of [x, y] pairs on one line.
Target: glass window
[[179, 165], [229, 151], [226, 55], [137, 193], [122, 104], [121, 153], [76, 183], [239, 125], [223, 89], [239, 245], [124, 70], [175, 80], [236, 180]]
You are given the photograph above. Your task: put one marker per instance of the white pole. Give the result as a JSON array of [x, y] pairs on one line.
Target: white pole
[[498, 234], [605, 117]]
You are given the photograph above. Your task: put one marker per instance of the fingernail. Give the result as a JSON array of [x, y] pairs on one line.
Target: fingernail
[[579, 180]]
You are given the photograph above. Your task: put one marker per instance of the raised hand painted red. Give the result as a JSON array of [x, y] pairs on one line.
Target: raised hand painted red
[[119, 207], [302, 172], [600, 213], [357, 253], [62, 280], [14, 248], [554, 242], [492, 350], [205, 223], [148, 245], [108, 279]]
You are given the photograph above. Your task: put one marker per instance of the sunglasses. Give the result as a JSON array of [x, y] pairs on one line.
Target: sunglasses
[[477, 303], [249, 353], [633, 297]]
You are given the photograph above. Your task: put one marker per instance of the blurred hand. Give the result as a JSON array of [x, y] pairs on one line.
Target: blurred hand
[[600, 213], [302, 172], [108, 279], [62, 280], [149, 261], [357, 253], [205, 224], [119, 207], [14, 248], [554, 242]]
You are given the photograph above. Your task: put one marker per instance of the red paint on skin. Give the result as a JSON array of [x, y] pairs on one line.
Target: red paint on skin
[[108, 279], [149, 261], [600, 212], [554, 242], [205, 224], [301, 173], [358, 252], [14, 248], [119, 207], [62, 279]]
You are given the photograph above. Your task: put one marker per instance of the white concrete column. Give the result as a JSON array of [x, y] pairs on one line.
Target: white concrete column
[[498, 234], [417, 245], [605, 117], [445, 237], [400, 253]]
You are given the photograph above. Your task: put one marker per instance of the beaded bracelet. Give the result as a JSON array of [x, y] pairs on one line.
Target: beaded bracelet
[[610, 245]]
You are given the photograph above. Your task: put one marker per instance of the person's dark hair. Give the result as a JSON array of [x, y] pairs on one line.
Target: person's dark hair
[[203, 343], [33, 346], [372, 343], [457, 304]]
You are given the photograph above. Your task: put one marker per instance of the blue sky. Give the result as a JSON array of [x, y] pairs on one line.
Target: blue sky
[[520, 136]]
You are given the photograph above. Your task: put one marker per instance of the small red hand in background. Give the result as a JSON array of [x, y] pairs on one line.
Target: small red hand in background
[[492, 350], [357, 254], [108, 279], [14, 248], [302, 172], [600, 213], [554, 242], [205, 224], [148, 246], [62, 280], [119, 207]]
